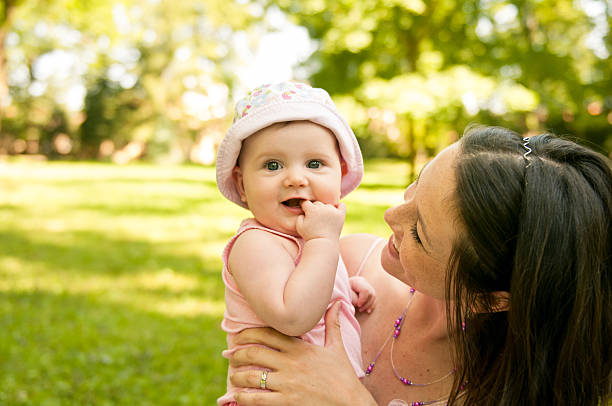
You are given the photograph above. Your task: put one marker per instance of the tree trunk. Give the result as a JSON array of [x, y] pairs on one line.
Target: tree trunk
[[9, 8], [411, 150]]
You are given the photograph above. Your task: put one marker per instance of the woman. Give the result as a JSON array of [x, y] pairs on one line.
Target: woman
[[507, 243]]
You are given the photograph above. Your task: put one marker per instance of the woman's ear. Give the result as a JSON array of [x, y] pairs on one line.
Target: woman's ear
[[238, 180]]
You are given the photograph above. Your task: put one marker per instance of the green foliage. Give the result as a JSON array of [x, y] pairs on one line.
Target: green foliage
[[410, 74], [441, 64], [135, 62], [110, 284]]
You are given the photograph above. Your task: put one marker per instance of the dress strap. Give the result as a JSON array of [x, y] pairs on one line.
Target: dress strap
[[367, 255]]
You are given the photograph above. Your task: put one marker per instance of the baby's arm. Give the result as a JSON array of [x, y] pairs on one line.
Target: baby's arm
[[290, 298]]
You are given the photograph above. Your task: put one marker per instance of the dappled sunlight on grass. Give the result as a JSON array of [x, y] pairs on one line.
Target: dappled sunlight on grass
[[92, 171], [164, 291], [366, 206], [186, 306], [66, 349], [166, 279], [385, 173], [382, 198], [110, 279]]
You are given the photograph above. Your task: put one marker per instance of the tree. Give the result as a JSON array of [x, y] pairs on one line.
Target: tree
[[19, 17], [417, 68], [7, 10], [156, 73]]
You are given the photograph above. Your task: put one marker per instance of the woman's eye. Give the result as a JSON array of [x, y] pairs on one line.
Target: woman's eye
[[415, 234], [272, 166], [314, 164]]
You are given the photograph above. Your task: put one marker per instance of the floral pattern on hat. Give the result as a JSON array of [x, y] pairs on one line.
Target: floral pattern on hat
[[270, 94]]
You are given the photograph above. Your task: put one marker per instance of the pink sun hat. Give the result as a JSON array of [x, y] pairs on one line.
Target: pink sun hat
[[285, 101]]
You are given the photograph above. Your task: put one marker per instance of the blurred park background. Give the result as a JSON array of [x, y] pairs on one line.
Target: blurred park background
[[111, 225]]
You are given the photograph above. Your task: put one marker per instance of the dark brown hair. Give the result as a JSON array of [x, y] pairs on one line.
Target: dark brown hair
[[540, 228]]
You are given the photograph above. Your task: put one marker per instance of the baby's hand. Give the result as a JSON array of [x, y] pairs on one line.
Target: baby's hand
[[320, 220], [363, 295]]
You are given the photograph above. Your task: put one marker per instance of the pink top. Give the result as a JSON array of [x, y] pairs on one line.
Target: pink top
[[239, 315]]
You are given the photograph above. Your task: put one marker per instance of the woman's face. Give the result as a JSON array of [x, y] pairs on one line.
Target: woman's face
[[424, 227]]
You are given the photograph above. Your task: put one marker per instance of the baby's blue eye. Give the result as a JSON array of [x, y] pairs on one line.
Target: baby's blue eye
[[314, 164], [272, 166]]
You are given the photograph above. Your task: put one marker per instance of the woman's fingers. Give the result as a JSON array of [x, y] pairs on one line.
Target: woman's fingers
[[256, 355], [260, 398], [264, 335], [300, 372], [333, 337], [252, 379]]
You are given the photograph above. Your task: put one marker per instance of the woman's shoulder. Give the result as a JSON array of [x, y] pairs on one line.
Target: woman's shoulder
[[356, 249], [360, 238]]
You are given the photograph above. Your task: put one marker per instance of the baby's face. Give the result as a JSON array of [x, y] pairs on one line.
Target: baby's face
[[284, 164]]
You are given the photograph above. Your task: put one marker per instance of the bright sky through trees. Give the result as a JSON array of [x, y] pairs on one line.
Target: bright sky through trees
[[161, 77]]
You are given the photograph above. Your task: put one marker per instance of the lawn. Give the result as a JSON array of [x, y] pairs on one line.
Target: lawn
[[110, 288]]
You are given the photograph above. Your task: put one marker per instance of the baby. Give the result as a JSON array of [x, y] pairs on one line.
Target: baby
[[289, 157]]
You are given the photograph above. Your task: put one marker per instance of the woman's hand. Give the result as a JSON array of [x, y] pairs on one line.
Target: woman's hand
[[300, 373]]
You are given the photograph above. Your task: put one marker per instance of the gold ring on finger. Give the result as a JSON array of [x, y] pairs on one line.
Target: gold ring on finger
[[264, 377]]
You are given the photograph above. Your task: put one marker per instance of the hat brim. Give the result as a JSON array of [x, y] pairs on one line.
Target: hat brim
[[313, 111]]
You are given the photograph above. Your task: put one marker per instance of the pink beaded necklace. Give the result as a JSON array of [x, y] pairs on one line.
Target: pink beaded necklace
[[397, 328]]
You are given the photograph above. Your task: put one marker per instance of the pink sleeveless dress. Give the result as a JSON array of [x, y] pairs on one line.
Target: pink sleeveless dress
[[239, 315]]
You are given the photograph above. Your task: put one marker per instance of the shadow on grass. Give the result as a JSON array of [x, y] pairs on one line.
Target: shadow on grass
[[10, 207], [76, 350], [163, 197], [362, 217], [177, 206], [382, 186], [140, 181], [87, 252], [141, 208]]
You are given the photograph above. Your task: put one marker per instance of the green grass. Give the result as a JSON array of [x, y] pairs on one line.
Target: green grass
[[110, 288]]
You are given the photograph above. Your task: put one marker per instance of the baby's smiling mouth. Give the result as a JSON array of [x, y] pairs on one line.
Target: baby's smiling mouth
[[295, 202]]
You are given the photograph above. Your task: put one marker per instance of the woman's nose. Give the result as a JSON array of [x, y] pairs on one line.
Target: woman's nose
[[389, 216], [398, 215]]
